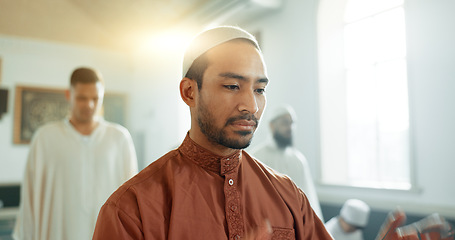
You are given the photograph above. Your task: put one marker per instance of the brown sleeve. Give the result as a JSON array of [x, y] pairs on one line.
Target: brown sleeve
[[113, 223], [313, 227]]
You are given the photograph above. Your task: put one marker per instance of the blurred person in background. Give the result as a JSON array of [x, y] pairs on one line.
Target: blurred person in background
[[73, 166], [279, 153], [348, 225]]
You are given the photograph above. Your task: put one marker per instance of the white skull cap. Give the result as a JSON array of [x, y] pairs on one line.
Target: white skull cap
[[355, 212], [282, 110], [208, 39]]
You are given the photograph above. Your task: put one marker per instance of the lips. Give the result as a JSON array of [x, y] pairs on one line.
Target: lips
[[247, 119], [246, 123]]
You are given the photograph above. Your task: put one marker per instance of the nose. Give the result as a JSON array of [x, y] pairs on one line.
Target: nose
[[248, 102]]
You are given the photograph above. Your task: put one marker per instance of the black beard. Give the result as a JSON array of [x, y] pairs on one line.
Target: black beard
[[206, 120], [281, 141]]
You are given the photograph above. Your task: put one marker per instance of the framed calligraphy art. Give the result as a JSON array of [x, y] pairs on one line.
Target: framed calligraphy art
[[35, 106]]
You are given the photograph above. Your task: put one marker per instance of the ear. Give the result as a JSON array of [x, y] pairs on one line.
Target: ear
[[188, 90], [67, 94]]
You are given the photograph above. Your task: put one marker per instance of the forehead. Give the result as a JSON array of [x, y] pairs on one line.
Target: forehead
[[87, 88], [236, 54]]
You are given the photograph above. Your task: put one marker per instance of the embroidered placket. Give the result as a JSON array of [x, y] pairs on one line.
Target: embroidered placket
[[233, 208], [227, 167]]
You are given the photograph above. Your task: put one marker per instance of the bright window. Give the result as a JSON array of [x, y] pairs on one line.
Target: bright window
[[364, 95]]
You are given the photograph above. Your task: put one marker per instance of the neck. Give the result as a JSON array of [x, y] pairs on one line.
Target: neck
[[346, 226], [84, 128], [281, 147]]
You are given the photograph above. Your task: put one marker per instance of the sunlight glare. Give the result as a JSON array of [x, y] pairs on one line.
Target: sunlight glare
[[174, 41], [358, 9]]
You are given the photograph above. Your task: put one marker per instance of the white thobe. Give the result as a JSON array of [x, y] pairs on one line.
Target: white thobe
[[69, 176], [293, 163], [334, 228]]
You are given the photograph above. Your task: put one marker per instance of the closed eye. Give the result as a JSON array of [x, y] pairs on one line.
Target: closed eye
[[260, 90], [231, 87]]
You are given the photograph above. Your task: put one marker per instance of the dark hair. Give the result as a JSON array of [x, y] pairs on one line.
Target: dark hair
[[85, 75], [197, 69], [200, 64]]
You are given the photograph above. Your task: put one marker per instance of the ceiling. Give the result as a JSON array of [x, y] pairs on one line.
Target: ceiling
[[111, 24]]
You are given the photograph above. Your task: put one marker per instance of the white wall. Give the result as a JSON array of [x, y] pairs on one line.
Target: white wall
[[431, 54], [158, 113], [290, 48]]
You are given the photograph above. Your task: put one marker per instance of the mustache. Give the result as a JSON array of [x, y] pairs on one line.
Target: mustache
[[248, 117]]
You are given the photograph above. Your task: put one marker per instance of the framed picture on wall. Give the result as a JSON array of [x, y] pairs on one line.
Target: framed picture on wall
[[36, 106]]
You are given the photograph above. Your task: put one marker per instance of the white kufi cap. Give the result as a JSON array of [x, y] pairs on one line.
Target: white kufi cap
[[355, 212], [212, 38], [282, 110]]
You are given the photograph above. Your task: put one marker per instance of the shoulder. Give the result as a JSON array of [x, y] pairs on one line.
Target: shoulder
[[298, 153], [50, 128], [264, 146], [279, 182], [332, 222], [146, 191], [263, 152], [114, 128], [47, 137], [142, 199], [275, 177], [151, 178], [52, 125], [294, 155], [333, 227]]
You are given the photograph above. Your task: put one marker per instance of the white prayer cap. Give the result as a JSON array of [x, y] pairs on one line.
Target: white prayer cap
[[355, 212], [282, 110], [208, 39]]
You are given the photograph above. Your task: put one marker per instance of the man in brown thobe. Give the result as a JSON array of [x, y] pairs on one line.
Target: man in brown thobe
[[209, 188]]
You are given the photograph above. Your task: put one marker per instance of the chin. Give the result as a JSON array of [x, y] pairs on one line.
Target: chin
[[240, 145], [245, 141], [245, 133], [237, 142]]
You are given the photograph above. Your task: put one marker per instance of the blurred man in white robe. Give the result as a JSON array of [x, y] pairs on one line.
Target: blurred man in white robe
[[279, 153], [73, 166]]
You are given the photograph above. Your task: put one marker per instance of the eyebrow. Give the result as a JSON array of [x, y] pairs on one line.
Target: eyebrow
[[240, 77]]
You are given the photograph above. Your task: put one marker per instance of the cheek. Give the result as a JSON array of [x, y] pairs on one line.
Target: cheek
[[262, 101], [79, 104], [216, 103]]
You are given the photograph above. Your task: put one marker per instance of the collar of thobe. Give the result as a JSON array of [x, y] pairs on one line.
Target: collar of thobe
[[86, 138], [208, 160]]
